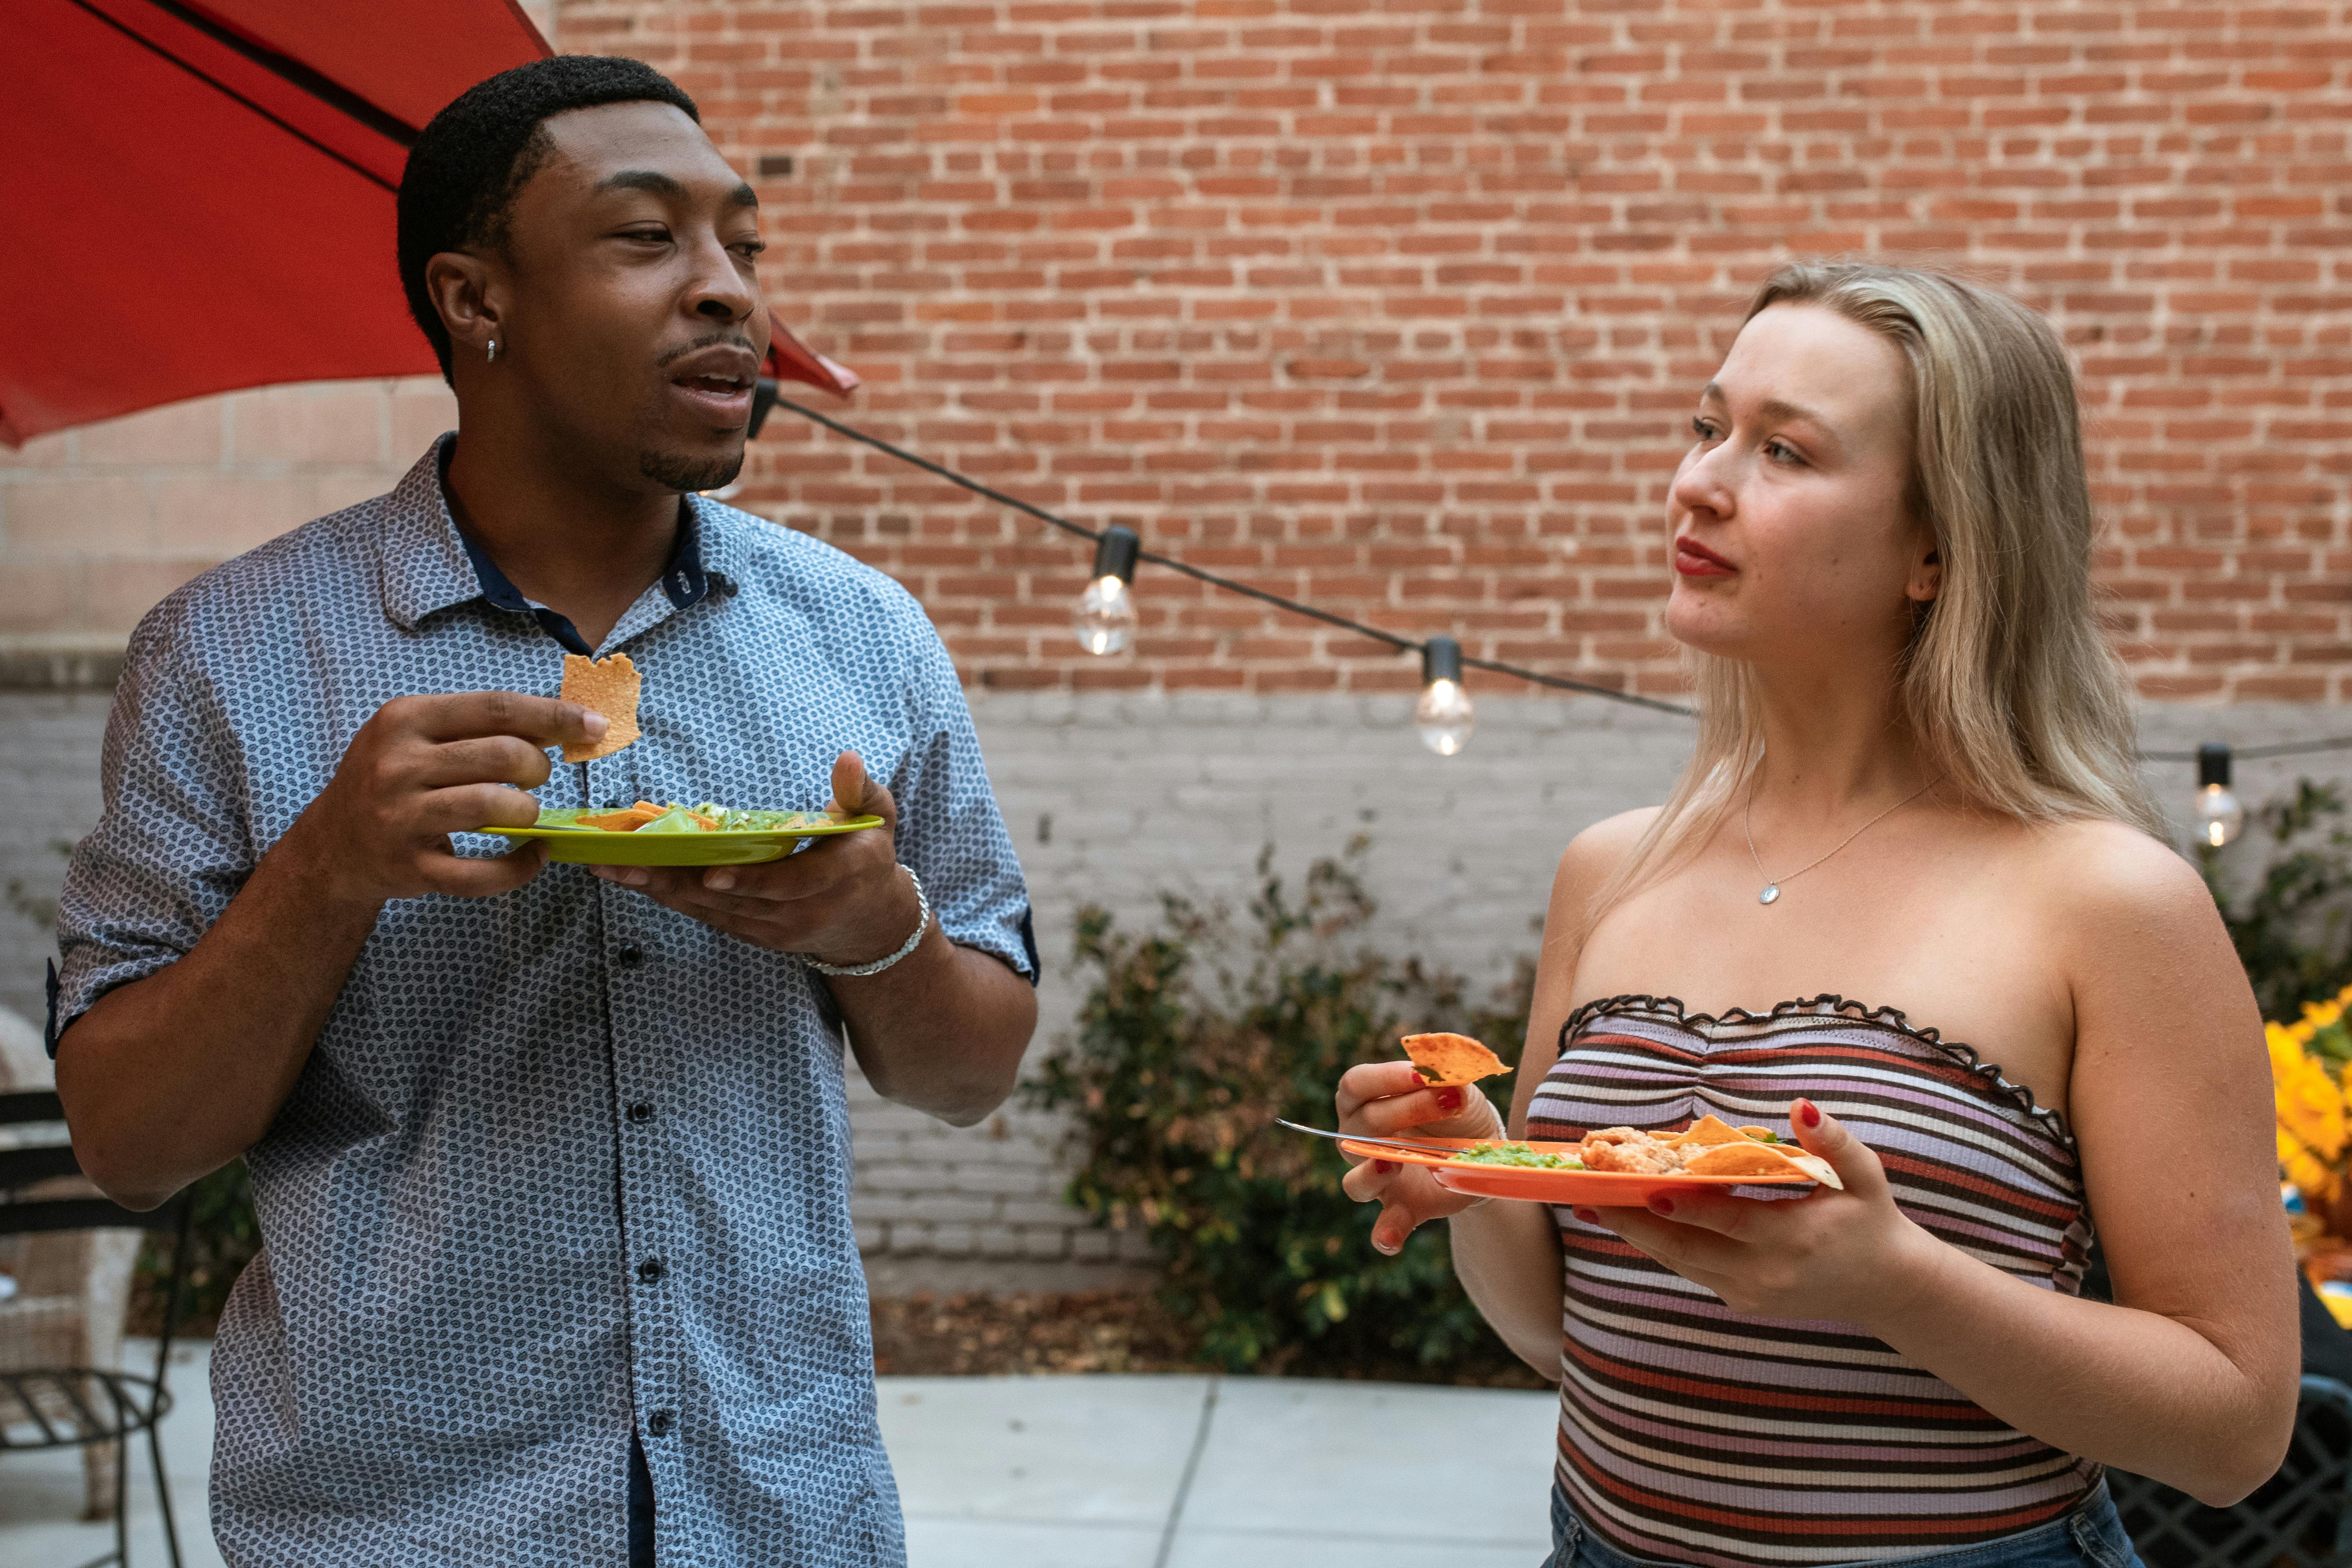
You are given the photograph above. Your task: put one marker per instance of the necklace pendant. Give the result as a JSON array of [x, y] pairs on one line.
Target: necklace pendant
[[1769, 894]]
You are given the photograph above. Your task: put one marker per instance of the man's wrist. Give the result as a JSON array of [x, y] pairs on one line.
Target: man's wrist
[[922, 927], [304, 864]]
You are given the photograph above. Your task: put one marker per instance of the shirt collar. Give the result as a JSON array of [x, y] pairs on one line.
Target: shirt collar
[[430, 564], [423, 558]]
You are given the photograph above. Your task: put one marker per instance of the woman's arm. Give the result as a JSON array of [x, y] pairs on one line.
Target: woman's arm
[[2190, 1376]]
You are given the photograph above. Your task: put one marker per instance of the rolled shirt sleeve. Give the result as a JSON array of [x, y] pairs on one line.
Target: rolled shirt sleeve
[[950, 831], [174, 845]]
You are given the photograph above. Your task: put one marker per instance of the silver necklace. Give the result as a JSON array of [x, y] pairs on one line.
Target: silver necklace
[[1772, 893]]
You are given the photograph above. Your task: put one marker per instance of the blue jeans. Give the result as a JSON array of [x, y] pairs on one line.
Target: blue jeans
[[2089, 1537]]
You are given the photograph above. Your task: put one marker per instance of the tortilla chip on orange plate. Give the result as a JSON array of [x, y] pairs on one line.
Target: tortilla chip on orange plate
[[1746, 1157], [1705, 1133], [609, 686], [1444, 1059]]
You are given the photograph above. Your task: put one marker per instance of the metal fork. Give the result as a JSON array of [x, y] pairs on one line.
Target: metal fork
[[1442, 1151]]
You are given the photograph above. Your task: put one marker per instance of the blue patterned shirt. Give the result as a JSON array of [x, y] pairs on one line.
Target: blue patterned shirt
[[563, 1165]]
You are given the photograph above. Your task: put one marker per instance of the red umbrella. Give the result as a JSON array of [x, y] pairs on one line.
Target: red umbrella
[[221, 173]]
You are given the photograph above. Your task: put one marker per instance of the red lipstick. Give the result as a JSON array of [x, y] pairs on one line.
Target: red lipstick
[[1693, 559]]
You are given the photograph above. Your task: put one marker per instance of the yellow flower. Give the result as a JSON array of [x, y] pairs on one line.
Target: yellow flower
[[2286, 1052], [2299, 1166], [2315, 1134], [2311, 1106]]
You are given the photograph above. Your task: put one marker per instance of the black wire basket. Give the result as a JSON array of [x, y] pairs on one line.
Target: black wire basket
[[2300, 1518]]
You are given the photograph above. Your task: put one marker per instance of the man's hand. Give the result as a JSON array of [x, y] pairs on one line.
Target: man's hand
[[941, 1032], [841, 900], [169, 1077], [425, 767]]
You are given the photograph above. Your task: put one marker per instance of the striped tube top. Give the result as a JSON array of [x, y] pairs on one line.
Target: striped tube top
[[1692, 1433]]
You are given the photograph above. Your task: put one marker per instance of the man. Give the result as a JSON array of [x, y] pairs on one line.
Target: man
[[553, 1167]]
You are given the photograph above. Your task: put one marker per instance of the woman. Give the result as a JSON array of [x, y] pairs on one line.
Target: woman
[[1914, 786]]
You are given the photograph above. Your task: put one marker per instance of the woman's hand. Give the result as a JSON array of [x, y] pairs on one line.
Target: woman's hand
[[1381, 1099], [1849, 1256]]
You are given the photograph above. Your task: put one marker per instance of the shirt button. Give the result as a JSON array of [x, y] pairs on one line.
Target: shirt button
[[660, 1422], [630, 956], [643, 1110], [650, 1271]]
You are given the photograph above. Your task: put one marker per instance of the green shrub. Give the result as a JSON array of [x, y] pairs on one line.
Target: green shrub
[[1195, 1037]]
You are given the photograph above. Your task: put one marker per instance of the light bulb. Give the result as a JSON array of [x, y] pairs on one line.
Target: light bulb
[[1443, 715], [2220, 815], [1106, 620], [1105, 617]]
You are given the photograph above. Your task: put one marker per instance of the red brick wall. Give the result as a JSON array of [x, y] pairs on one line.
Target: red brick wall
[[98, 523], [1398, 305]]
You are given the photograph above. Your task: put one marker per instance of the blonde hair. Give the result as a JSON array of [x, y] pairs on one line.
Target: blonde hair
[[2007, 683]]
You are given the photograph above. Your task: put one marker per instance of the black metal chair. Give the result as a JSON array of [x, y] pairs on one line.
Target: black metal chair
[[78, 1406], [2301, 1515]]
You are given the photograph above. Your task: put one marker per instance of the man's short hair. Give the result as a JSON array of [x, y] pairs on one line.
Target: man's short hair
[[469, 161]]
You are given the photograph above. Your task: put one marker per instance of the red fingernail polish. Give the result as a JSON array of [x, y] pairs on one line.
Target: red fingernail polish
[[1809, 1114], [1384, 1167], [1590, 1216], [1662, 1204], [1449, 1098]]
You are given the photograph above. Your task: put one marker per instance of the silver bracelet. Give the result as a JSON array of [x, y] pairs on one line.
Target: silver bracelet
[[859, 971]]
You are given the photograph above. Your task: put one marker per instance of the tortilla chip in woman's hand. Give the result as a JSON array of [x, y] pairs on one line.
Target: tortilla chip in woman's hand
[[1444, 1059]]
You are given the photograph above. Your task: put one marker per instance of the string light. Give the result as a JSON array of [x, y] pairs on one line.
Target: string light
[[2220, 816], [1106, 619], [2219, 812], [1443, 715]]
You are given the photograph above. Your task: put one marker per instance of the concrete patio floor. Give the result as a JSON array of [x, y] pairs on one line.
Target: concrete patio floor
[[1051, 1472]]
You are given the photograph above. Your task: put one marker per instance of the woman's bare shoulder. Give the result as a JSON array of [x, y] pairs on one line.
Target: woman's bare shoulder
[[1611, 839], [2107, 883], [2099, 862], [1601, 848]]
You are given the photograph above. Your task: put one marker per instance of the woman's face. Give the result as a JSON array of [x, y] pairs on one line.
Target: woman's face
[[1791, 541]]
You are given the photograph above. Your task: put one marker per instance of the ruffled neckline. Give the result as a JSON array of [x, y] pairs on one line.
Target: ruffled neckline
[[1829, 1004]]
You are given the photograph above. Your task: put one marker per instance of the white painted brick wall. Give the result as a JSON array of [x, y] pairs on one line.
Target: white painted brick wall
[[48, 794], [1113, 799]]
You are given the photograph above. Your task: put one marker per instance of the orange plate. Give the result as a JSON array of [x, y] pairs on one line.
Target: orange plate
[[1595, 1189]]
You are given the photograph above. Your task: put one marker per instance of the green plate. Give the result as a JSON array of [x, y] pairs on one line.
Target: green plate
[[595, 846]]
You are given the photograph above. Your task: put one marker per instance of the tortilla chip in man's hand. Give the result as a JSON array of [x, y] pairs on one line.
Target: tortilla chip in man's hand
[[610, 686]]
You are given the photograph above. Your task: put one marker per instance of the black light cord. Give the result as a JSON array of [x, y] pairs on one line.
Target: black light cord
[[2256, 753], [1558, 683]]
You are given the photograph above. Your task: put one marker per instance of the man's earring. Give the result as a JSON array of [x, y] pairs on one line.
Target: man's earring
[[494, 350]]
